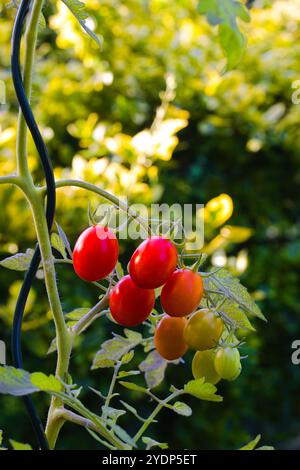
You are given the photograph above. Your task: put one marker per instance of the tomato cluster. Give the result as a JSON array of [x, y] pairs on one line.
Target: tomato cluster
[[154, 265]]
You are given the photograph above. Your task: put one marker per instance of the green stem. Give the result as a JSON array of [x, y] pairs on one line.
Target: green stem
[[154, 413], [37, 206], [29, 53], [111, 388], [106, 195]]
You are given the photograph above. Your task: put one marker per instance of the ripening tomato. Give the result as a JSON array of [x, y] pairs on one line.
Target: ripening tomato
[[96, 253], [203, 365], [228, 363], [129, 304], [182, 293], [203, 331], [168, 338], [153, 262]]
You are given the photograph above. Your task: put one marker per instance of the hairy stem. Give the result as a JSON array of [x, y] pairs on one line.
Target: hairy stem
[[106, 195], [29, 54]]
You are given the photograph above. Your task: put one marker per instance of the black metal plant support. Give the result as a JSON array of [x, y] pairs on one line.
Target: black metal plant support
[[50, 210]]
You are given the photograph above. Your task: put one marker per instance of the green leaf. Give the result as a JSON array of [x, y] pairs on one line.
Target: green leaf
[[64, 238], [76, 314], [45, 383], [202, 390], [133, 386], [18, 262], [114, 349], [127, 357], [231, 287], [252, 444], [112, 413], [225, 13], [119, 270], [16, 382], [152, 443], [265, 448], [77, 8], [233, 43], [182, 408], [127, 373], [154, 367], [58, 244], [133, 411], [239, 318], [19, 446]]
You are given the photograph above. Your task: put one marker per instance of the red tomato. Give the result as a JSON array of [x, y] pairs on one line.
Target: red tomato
[[129, 304], [96, 253], [182, 293], [168, 338], [153, 262]]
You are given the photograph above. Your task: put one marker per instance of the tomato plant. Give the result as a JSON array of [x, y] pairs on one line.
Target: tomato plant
[[203, 330], [168, 338], [95, 253], [182, 293], [130, 304], [128, 298], [153, 262]]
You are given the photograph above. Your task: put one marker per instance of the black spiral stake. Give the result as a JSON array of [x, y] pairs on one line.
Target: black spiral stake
[[50, 211]]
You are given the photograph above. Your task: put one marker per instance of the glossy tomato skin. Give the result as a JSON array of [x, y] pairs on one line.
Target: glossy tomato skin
[[95, 253], [182, 293], [129, 304], [228, 363], [203, 331], [168, 338], [203, 365], [153, 262]]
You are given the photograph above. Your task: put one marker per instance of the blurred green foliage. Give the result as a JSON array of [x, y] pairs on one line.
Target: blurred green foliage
[[150, 117]]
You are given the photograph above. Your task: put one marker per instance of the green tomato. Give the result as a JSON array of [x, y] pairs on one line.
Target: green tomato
[[203, 366], [228, 363]]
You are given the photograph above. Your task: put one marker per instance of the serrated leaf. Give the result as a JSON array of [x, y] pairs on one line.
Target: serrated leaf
[[252, 444], [16, 382], [150, 443], [182, 408], [233, 43], [239, 318], [58, 244], [202, 390], [19, 446], [132, 386], [77, 8], [154, 367], [231, 287], [45, 383], [19, 261], [114, 349]]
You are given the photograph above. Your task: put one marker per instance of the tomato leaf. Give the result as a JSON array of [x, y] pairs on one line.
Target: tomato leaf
[[150, 443], [19, 446], [231, 287], [77, 8], [132, 386], [154, 367], [202, 390], [182, 408], [114, 349], [19, 261], [224, 14], [252, 444]]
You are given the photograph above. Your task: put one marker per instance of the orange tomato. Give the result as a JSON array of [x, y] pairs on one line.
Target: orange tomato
[[168, 338]]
